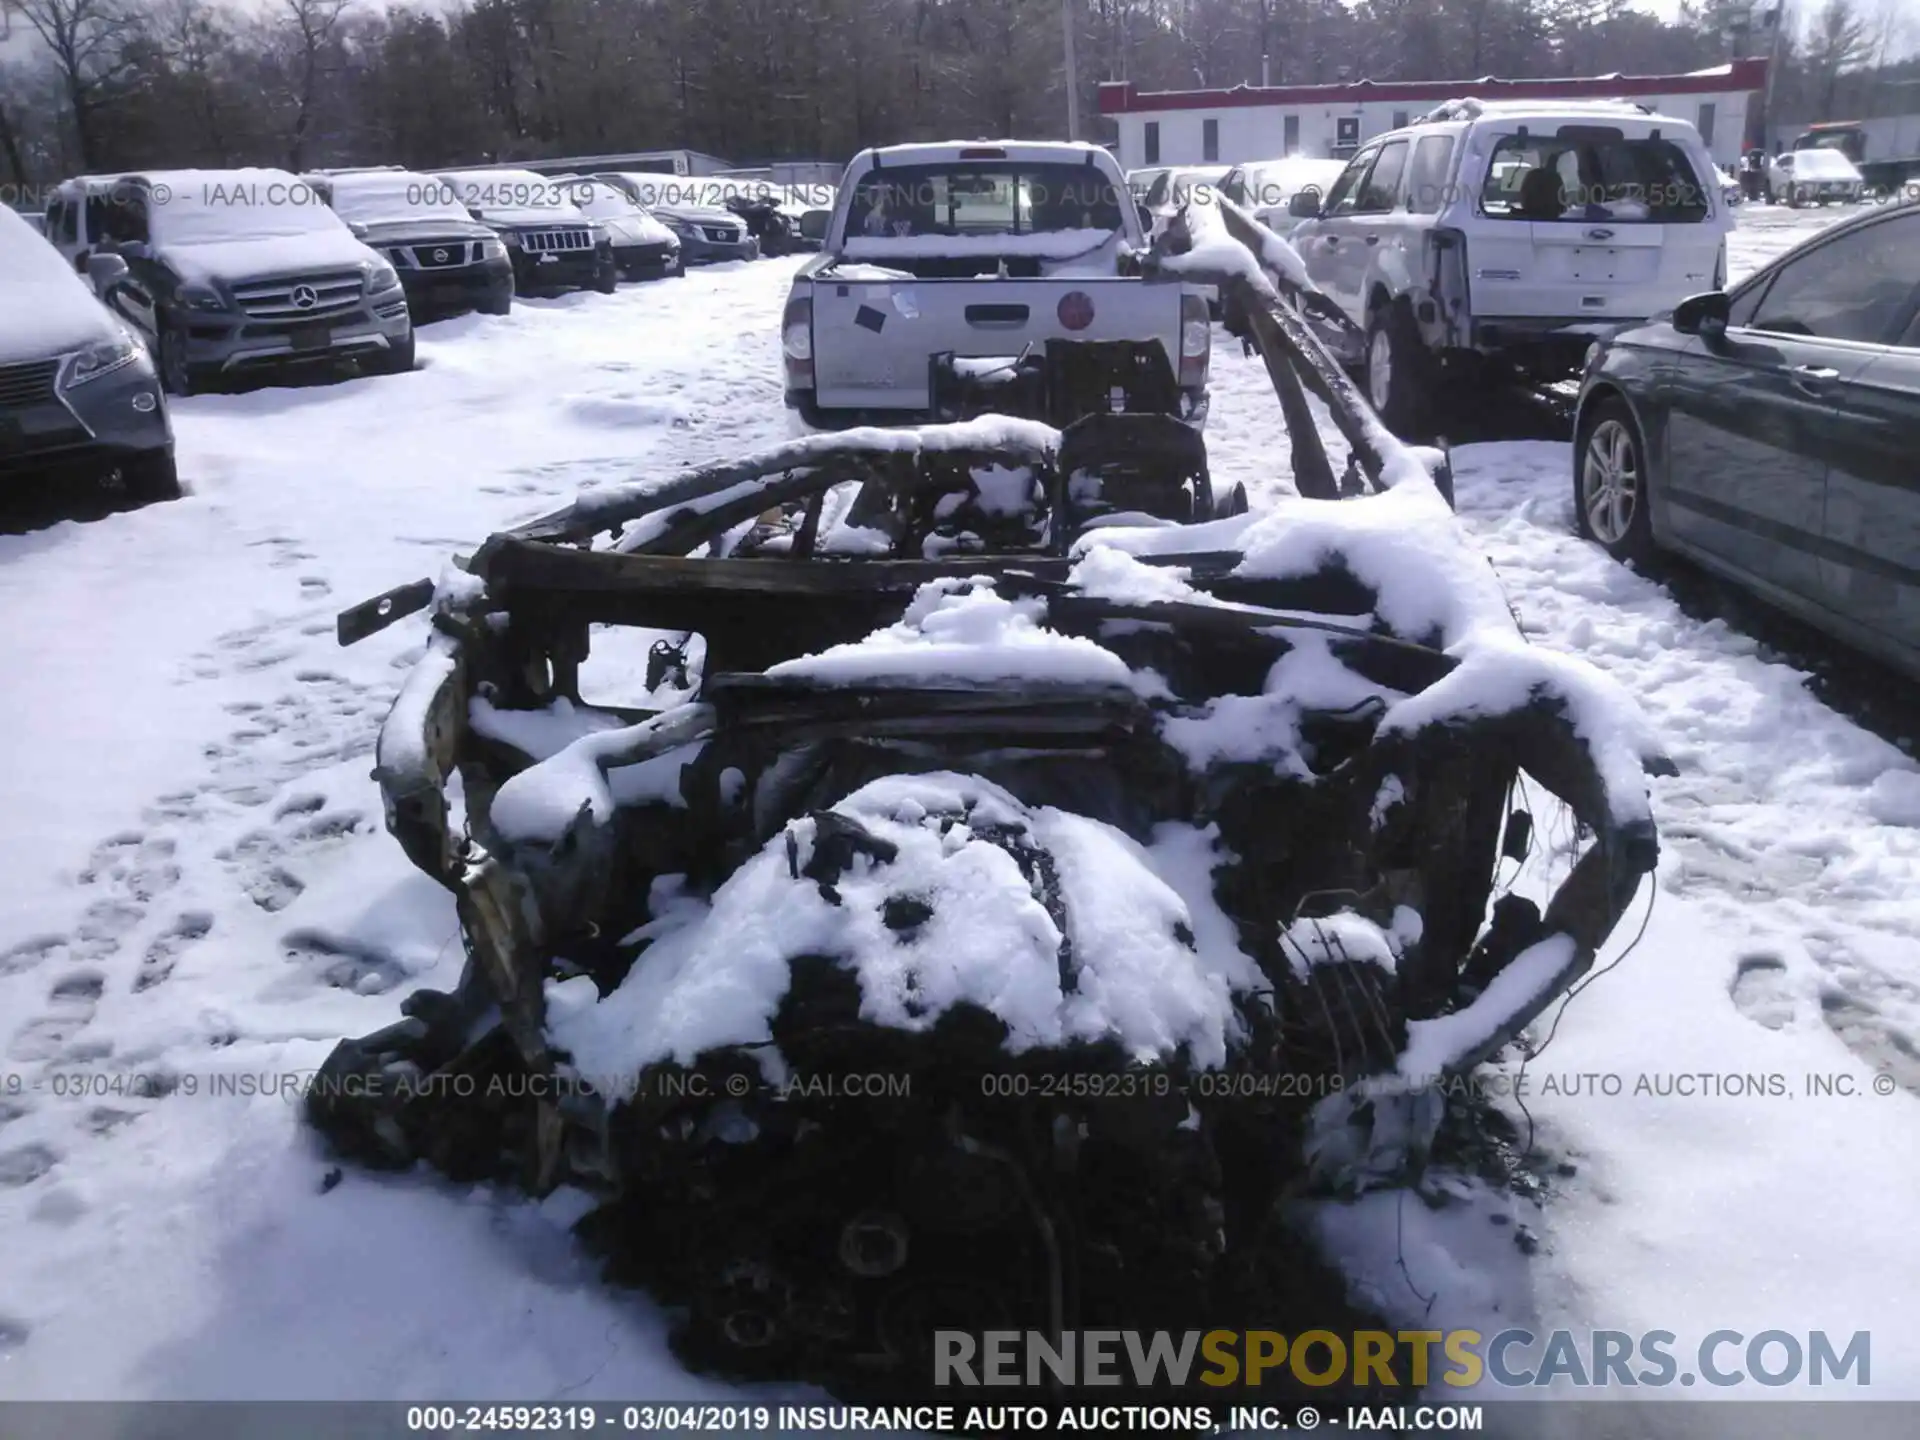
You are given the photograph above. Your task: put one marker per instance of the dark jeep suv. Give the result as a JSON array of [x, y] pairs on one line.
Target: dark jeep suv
[[78, 395], [449, 263], [552, 244]]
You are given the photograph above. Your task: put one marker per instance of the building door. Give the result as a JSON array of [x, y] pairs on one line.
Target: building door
[[1346, 135], [1153, 142], [1209, 141], [1290, 135], [1705, 127]]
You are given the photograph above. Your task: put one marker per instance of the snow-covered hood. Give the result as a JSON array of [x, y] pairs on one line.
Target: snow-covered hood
[[532, 217], [49, 310], [49, 317], [1823, 165], [269, 257], [638, 230], [415, 229], [701, 215]]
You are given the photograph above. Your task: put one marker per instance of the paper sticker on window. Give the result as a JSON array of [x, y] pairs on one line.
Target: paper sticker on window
[[904, 302], [868, 318]]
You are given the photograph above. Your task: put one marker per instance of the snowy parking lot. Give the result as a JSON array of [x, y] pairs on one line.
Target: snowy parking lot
[[195, 883]]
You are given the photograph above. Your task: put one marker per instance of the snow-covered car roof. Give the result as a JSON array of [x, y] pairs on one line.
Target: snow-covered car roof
[[49, 309], [512, 195], [372, 196], [213, 207]]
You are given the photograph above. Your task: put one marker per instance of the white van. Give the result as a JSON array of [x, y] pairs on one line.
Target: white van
[[1511, 232]]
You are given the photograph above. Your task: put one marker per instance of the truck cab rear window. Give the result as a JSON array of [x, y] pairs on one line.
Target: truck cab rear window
[[1603, 176], [975, 199]]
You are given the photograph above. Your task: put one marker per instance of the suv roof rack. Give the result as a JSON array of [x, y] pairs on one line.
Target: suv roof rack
[[1472, 107]]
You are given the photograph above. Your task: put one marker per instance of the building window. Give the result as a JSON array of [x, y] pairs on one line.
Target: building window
[[1399, 119], [1210, 140], [1706, 121], [1153, 142], [1290, 135], [1346, 134]]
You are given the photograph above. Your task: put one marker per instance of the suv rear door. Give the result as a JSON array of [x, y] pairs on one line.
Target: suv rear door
[[1634, 226]]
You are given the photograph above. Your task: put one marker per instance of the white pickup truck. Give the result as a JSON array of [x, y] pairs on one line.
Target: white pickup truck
[[983, 250]]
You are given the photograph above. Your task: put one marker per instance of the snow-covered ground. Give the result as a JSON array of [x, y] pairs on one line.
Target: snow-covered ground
[[194, 883]]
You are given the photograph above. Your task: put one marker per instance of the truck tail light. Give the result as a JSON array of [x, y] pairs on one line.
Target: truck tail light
[[796, 342], [1075, 310], [1196, 340]]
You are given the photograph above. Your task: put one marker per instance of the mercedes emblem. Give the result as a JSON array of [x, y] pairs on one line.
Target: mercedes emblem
[[305, 297]]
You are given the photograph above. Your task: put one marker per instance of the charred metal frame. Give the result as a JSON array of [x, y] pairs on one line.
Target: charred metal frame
[[515, 628]]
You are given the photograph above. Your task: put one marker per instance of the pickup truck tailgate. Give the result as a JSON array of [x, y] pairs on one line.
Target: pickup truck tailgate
[[872, 339]]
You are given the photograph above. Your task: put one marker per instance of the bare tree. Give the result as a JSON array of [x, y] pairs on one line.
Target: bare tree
[[309, 29], [1838, 41], [89, 41]]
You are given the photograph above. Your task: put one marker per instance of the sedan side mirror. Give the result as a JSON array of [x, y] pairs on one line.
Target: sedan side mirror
[[1703, 314], [1305, 204], [813, 224], [105, 271]]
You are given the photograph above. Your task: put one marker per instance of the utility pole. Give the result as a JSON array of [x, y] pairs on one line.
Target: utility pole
[[1773, 66], [1073, 72]]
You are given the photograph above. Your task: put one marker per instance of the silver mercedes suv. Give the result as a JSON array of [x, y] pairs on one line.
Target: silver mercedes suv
[[235, 270]]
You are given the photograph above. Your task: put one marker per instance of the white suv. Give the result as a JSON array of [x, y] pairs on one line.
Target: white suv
[[1511, 232]]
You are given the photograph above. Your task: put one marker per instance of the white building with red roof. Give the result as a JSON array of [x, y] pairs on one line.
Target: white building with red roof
[[1268, 122]]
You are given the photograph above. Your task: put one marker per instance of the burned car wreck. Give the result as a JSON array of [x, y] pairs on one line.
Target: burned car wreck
[[1012, 870]]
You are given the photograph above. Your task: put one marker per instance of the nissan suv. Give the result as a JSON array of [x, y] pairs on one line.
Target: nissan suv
[[552, 243], [231, 271], [78, 394], [1493, 238], [448, 262]]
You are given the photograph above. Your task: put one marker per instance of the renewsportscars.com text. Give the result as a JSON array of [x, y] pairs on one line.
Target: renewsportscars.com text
[[1513, 1358]]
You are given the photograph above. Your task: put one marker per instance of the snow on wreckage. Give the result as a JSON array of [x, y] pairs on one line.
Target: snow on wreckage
[[1003, 837]]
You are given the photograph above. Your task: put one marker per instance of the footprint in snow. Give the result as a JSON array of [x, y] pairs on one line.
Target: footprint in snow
[[27, 954], [343, 963], [70, 1007], [165, 952], [1870, 1035], [1761, 993], [25, 1165]]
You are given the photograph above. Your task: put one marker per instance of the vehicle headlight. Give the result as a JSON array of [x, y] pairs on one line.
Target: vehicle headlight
[[200, 297], [101, 359], [508, 238], [493, 249], [678, 227], [1593, 356], [381, 276]]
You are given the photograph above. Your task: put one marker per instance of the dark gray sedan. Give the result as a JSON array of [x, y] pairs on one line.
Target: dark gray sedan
[[1771, 433]]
